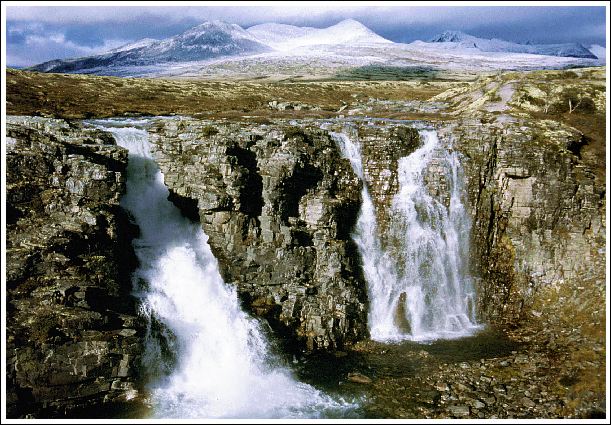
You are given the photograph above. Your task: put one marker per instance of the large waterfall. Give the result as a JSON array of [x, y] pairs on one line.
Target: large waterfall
[[222, 364], [418, 281]]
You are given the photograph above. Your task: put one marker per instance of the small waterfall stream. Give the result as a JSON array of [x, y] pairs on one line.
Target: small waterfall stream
[[223, 366], [419, 288]]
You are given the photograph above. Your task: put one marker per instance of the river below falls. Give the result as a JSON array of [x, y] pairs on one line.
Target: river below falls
[[396, 370]]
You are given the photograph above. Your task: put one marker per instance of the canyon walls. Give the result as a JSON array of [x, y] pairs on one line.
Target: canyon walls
[[538, 213], [279, 205], [73, 335]]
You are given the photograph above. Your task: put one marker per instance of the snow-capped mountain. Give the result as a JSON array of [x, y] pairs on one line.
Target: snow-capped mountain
[[261, 51], [599, 51], [205, 41], [275, 35], [460, 40], [288, 37], [134, 45]]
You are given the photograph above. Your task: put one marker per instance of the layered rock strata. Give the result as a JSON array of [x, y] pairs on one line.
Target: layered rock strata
[[538, 212], [538, 209], [73, 338], [381, 147], [278, 204]]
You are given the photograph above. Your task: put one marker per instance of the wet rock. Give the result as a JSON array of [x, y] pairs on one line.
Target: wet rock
[[401, 315], [358, 378], [72, 328], [279, 204]]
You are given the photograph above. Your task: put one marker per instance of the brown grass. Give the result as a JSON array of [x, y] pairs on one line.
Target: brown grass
[[83, 96]]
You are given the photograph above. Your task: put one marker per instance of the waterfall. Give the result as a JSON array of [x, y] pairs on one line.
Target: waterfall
[[222, 363], [419, 285]]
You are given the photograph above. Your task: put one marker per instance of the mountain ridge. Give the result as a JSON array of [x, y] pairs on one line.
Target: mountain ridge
[[205, 41], [347, 38], [459, 39]]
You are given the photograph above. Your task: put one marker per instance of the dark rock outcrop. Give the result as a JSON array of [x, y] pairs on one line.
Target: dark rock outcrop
[[73, 338], [538, 209], [278, 204]]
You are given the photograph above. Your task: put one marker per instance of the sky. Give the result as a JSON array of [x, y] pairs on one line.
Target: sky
[[40, 33]]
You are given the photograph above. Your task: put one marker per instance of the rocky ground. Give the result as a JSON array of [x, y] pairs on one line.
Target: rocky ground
[[535, 371]]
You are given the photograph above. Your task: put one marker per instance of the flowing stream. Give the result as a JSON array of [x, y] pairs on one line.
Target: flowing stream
[[220, 364], [419, 285]]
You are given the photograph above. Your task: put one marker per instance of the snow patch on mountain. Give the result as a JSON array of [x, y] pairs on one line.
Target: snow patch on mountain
[[288, 37], [274, 34], [457, 40], [222, 49], [208, 40], [134, 45], [599, 51]]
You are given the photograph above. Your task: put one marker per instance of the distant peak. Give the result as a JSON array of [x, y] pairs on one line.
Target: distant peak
[[216, 24], [451, 36], [352, 23], [134, 45]]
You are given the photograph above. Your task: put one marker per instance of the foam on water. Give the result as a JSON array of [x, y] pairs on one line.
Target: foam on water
[[219, 363]]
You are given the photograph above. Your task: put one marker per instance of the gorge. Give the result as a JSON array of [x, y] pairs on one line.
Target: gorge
[[326, 209], [288, 222], [204, 327]]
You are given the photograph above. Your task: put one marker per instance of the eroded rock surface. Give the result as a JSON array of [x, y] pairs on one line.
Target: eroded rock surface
[[538, 212], [73, 339], [278, 204]]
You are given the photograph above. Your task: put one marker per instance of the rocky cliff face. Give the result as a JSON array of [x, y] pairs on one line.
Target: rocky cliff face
[[278, 204], [381, 148], [73, 339], [538, 208], [538, 212], [283, 196]]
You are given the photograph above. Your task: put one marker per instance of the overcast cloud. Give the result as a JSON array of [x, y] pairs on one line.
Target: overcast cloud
[[38, 34]]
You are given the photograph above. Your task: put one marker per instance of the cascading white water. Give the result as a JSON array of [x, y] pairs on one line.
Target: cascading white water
[[419, 288], [223, 363]]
